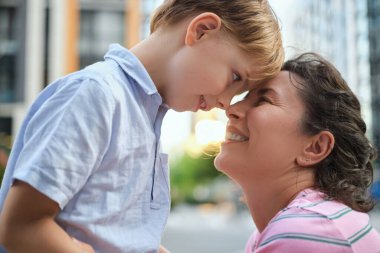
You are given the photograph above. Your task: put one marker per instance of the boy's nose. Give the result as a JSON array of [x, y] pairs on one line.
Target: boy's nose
[[224, 101]]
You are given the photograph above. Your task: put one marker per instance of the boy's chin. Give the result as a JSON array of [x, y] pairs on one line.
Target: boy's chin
[[179, 109]]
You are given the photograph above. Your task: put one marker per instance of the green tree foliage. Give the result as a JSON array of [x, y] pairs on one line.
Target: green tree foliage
[[189, 172]]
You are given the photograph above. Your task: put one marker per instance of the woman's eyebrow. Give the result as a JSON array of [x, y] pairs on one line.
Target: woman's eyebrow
[[261, 92], [264, 91]]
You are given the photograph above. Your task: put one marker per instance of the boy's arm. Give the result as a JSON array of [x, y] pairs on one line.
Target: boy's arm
[[27, 224]]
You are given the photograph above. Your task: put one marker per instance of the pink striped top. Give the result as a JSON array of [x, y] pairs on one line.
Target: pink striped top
[[312, 224]]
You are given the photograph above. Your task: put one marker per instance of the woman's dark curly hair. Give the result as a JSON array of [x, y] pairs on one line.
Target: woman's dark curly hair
[[346, 174]]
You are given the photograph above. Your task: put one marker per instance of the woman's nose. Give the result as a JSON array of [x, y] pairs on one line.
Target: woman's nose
[[236, 111]]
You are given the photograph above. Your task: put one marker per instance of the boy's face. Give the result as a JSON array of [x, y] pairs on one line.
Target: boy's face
[[207, 74]]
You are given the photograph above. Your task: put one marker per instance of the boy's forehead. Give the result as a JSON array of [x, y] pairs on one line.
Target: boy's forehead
[[254, 69], [255, 78], [256, 84]]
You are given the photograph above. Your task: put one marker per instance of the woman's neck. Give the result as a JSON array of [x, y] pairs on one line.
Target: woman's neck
[[265, 204], [266, 198]]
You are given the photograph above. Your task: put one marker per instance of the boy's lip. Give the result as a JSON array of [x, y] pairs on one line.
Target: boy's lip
[[202, 105]]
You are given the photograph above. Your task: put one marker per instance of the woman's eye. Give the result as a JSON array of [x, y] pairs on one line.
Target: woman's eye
[[235, 77], [261, 101]]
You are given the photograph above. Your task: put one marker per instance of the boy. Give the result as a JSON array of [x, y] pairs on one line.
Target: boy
[[87, 163]]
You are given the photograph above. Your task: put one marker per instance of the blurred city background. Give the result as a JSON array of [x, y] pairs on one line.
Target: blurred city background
[[41, 40]]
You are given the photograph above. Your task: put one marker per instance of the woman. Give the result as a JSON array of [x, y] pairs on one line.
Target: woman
[[297, 147]]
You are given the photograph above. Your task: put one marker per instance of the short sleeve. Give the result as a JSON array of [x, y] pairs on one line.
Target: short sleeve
[[66, 139]]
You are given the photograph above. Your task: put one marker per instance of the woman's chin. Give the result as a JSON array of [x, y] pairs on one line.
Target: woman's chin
[[218, 162], [221, 163]]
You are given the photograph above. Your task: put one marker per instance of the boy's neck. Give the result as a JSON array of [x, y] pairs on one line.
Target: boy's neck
[[146, 51], [156, 51]]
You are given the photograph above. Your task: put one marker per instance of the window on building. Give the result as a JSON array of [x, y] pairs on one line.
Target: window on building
[[8, 53], [98, 29], [5, 132]]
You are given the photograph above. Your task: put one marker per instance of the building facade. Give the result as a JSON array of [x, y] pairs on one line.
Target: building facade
[[374, 42], [339, 31]]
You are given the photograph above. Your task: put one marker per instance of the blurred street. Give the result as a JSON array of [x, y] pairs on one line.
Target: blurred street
[[209, 229]]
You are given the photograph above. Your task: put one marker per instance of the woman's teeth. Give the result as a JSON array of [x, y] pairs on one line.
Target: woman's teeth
[[236, 137]]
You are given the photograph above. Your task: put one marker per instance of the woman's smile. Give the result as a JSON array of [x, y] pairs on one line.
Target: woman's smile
[[234, 135]]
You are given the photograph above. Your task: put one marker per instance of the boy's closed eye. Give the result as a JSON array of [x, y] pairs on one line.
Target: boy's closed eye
[[236, 77]]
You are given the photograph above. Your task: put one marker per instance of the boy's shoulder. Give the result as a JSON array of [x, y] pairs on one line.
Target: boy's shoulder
[[98, 72], [109, 70], [121, 69], [120, 78], [102, 75]]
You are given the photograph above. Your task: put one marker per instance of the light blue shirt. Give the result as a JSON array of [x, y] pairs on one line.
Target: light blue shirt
[[91, 142]]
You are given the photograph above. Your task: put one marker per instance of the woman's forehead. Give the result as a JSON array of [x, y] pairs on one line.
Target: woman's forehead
[[279, 84]]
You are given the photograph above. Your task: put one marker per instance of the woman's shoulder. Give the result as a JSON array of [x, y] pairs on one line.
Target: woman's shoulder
[[312, 210], [306, 218], [314, 221]]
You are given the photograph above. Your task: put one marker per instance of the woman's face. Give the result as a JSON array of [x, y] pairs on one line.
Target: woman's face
[[263, 135]]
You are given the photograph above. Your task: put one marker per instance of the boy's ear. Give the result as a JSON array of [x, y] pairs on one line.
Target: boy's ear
[[202, 25], [317, 149]]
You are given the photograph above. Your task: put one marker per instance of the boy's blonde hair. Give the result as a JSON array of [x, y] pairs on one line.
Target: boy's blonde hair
[[252, 23]]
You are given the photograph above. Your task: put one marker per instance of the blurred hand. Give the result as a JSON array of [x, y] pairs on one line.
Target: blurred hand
[[86, 248], [163, 250]]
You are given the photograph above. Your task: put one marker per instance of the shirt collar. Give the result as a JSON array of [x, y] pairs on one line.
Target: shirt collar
[[132, 66]]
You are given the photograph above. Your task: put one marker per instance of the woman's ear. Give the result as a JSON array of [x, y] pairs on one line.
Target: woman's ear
[[202, 25], [317, 149]]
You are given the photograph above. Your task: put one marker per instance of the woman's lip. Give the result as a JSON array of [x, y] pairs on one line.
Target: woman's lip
[[232, 129], [228, 142]]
